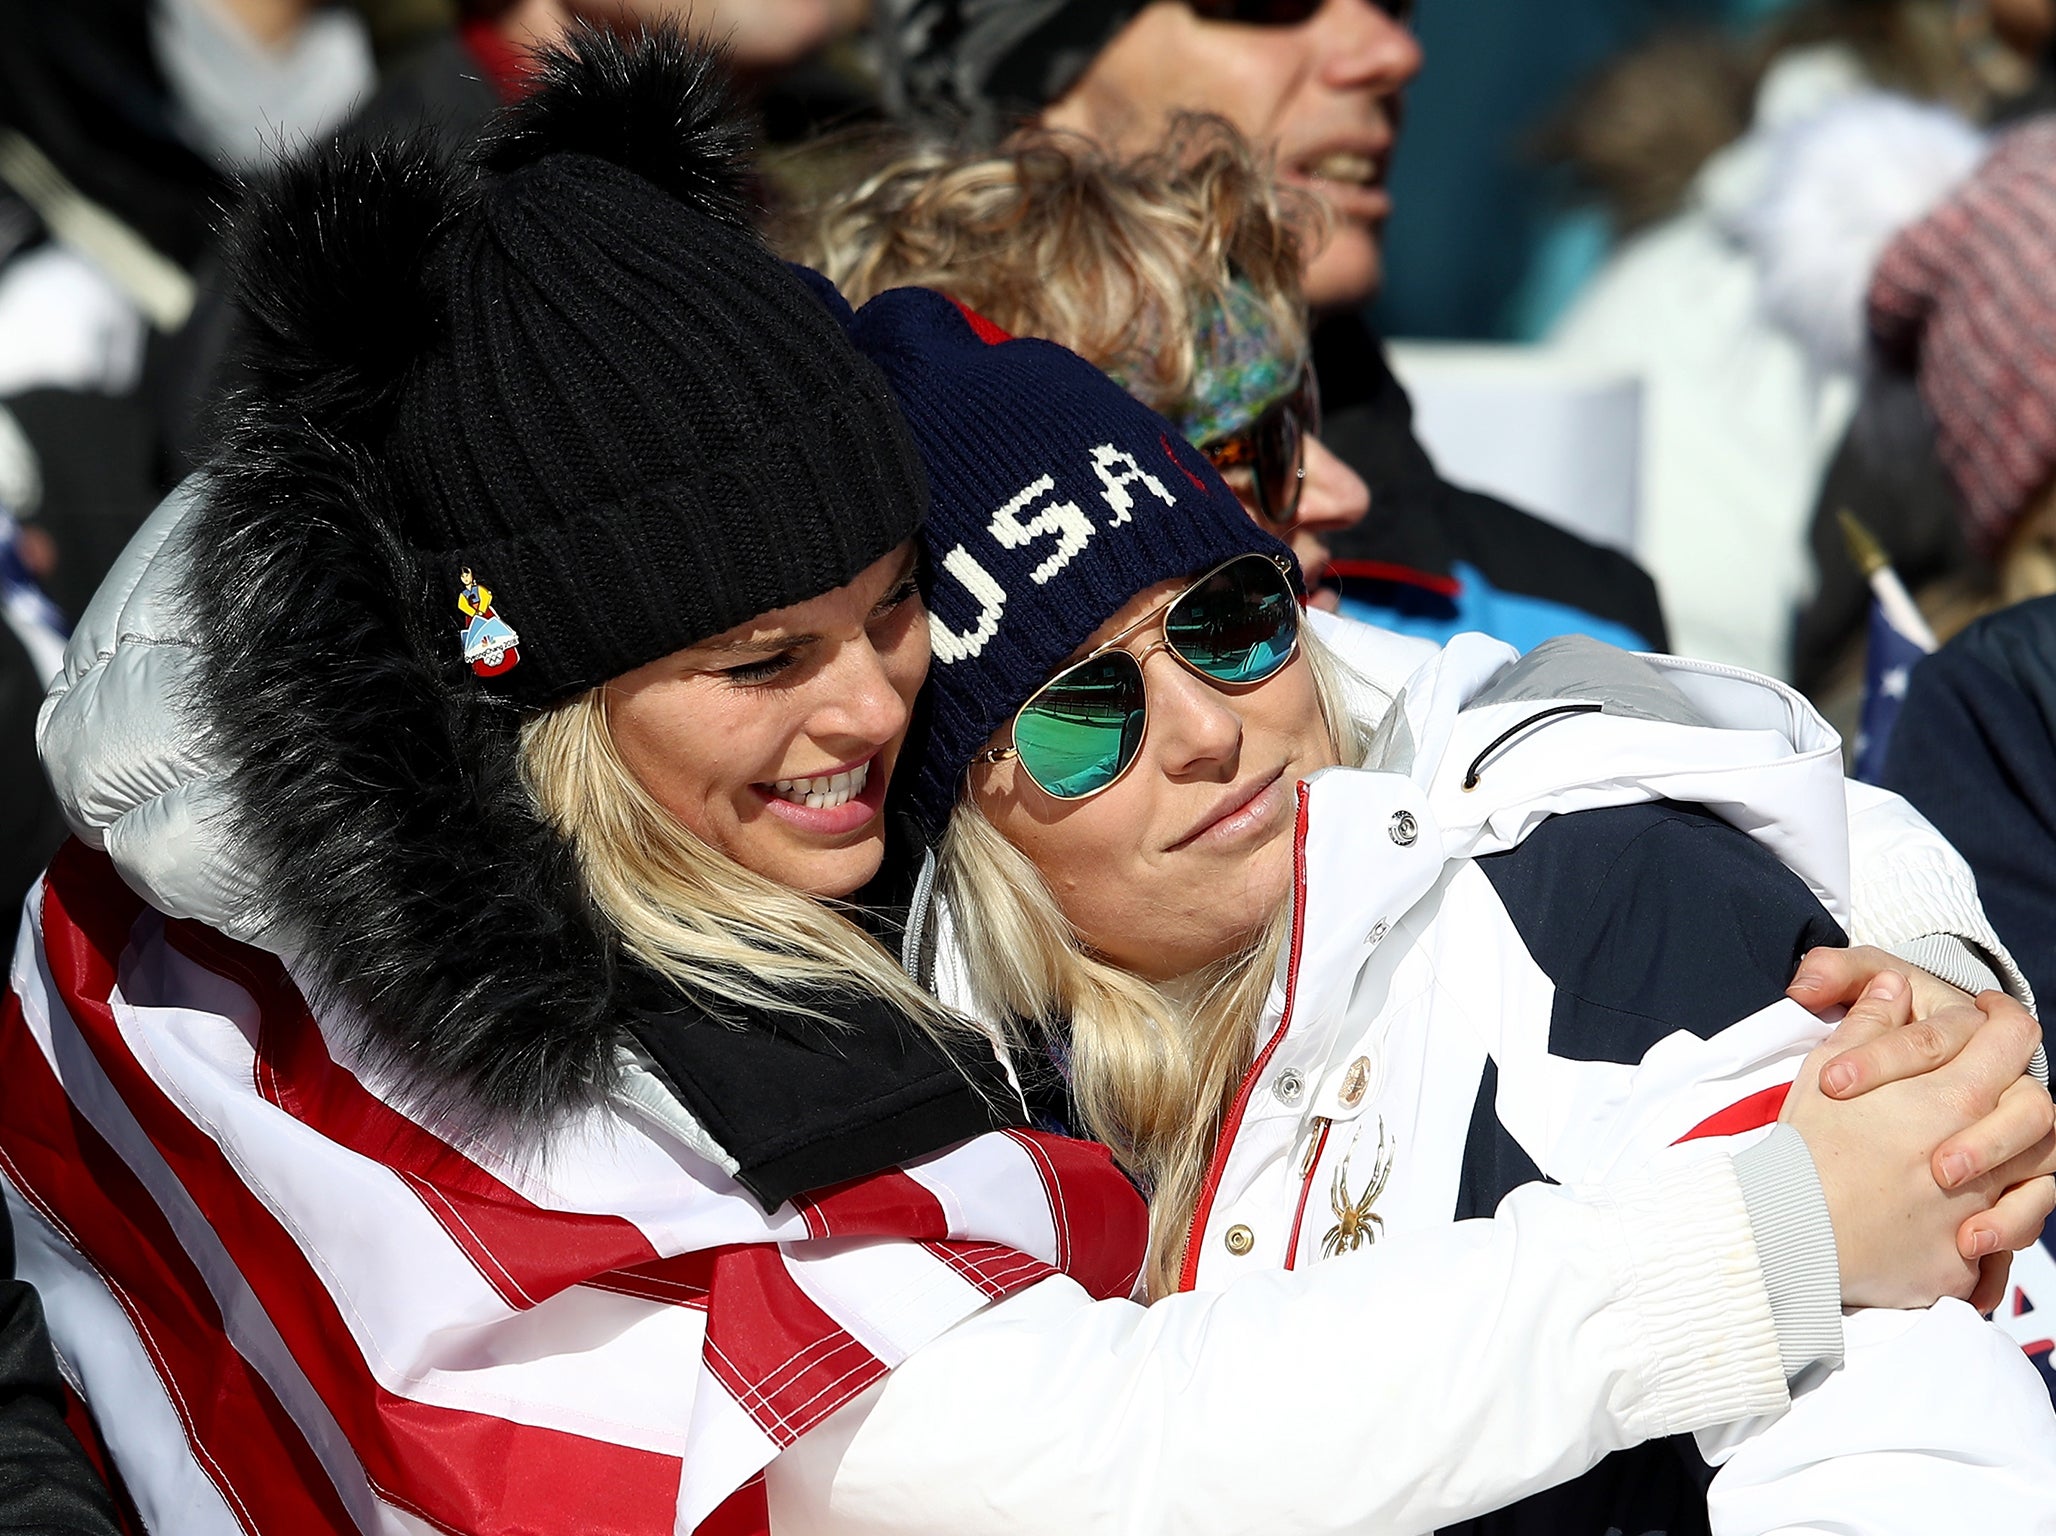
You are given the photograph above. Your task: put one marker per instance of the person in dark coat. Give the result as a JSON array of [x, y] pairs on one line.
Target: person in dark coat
[[48, 1487], [1975, 752], [1319, 82]]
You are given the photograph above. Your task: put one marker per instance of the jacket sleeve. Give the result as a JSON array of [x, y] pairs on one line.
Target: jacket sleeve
[[1937, 1422], [1913, 894], [1431, 1377], [1666, 935]]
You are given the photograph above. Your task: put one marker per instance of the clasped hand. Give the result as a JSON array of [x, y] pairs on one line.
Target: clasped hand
[[1935, 1149]]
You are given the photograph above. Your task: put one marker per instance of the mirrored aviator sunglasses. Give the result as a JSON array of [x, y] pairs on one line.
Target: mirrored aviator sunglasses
[[1282, 13], [1272, 449], [1080, 731]]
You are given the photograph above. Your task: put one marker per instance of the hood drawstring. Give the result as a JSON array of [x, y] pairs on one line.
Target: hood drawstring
[[1470, 776]]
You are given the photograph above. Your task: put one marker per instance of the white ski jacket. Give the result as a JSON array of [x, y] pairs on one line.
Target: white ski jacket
[[1531, 943]]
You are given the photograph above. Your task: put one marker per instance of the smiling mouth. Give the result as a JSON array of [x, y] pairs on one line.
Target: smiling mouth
[[824, 793], [1345, 167]]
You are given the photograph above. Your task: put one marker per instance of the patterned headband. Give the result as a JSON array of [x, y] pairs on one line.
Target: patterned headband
[[1243, 366]]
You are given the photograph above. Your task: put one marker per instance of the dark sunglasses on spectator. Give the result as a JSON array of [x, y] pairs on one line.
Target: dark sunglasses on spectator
[[1283, 13], [1080, 731], [1273, 449]]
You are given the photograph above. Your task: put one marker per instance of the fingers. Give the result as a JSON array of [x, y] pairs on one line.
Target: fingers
[[2012, 1139], [1994, 1270], [1880, 1012], [2013, 1223], [1896, 1054], [1827, 977], [1997, 1053]]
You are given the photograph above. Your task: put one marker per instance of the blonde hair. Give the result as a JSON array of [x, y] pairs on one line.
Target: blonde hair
[[1152, 1068], [718, 931], [1123, 261]]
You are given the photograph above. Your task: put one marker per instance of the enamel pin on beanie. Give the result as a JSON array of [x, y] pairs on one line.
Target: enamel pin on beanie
[[490, 644], [1054, 498]]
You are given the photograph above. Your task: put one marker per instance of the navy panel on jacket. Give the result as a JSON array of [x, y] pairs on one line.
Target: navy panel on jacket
[[1653, 918], [1647, 919]]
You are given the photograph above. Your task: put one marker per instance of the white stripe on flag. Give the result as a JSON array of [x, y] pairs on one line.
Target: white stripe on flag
[[136, 1418], [428, 1325], [988, 1175]]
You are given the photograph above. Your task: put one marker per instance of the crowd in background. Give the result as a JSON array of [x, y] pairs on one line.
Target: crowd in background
[[1690, 196], [1817, 238]]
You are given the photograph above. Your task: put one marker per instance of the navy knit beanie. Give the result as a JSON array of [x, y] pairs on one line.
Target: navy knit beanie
[[1054, 497]]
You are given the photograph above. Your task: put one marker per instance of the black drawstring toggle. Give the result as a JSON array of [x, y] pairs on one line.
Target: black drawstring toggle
[[1470, 778]]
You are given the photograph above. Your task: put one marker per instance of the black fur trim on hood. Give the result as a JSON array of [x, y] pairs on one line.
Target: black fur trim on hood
[[405, 861]]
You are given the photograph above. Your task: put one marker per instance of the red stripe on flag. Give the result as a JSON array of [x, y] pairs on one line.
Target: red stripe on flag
[[1750, 1114], [1101, 1221], [745, 1512], [79, 1420], [460, 1470], [788, 1363], [240, 1435], [876, 1203], [526, 1252]]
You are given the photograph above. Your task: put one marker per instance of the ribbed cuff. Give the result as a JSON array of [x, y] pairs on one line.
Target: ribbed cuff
[[1960, 963], [1952, 958], [1795, 1242], [1703, 1316]]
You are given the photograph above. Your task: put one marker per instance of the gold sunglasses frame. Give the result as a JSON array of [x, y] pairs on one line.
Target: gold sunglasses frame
[[1161, 643]]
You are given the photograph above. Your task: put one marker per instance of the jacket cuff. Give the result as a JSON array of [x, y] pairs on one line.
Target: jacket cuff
[[1961, 963], [1795, 1243], [1953, 958], [1697, 1286]]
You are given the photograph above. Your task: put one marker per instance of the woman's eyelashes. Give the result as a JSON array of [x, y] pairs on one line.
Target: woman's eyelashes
[[761, 671], [897, 598], [772, 666]]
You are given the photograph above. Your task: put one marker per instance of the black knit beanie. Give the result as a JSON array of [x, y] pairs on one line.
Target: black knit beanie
[[618, 425], [1057, 497]]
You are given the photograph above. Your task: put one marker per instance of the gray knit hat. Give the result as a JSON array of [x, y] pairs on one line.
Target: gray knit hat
[[989, 63]]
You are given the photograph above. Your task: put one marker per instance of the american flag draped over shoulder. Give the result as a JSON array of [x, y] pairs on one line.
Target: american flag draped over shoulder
[[290, 1307]]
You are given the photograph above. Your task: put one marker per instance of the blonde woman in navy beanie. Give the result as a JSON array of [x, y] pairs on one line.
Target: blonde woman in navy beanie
[[463, 1079], [1334, 991]]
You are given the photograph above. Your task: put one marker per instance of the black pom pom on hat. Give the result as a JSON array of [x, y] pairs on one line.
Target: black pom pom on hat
[[612, 421]]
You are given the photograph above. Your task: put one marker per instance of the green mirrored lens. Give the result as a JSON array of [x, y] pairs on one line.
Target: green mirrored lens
[[1083, 727], [1239, 625]]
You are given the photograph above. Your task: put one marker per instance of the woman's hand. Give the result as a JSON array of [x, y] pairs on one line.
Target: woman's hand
[[1936, 1155], [1833, 978], [1830, 978]]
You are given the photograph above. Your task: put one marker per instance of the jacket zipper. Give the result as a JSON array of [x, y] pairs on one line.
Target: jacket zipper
[[1188, 1270]]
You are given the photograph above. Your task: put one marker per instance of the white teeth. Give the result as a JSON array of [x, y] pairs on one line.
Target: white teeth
[[826, 791], [1342, 165]]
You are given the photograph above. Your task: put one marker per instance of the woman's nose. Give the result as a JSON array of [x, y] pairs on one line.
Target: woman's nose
[[1194, 728], [861, 701]]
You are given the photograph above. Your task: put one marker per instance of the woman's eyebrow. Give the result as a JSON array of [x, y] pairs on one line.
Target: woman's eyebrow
[[764, 647]]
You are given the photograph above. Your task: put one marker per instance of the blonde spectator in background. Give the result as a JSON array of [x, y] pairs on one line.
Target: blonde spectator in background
[[1178, 273]]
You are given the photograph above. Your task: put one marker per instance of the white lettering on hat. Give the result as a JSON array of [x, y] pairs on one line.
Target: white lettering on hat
[[1104, 459], [1062, 518], [948, 645]]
